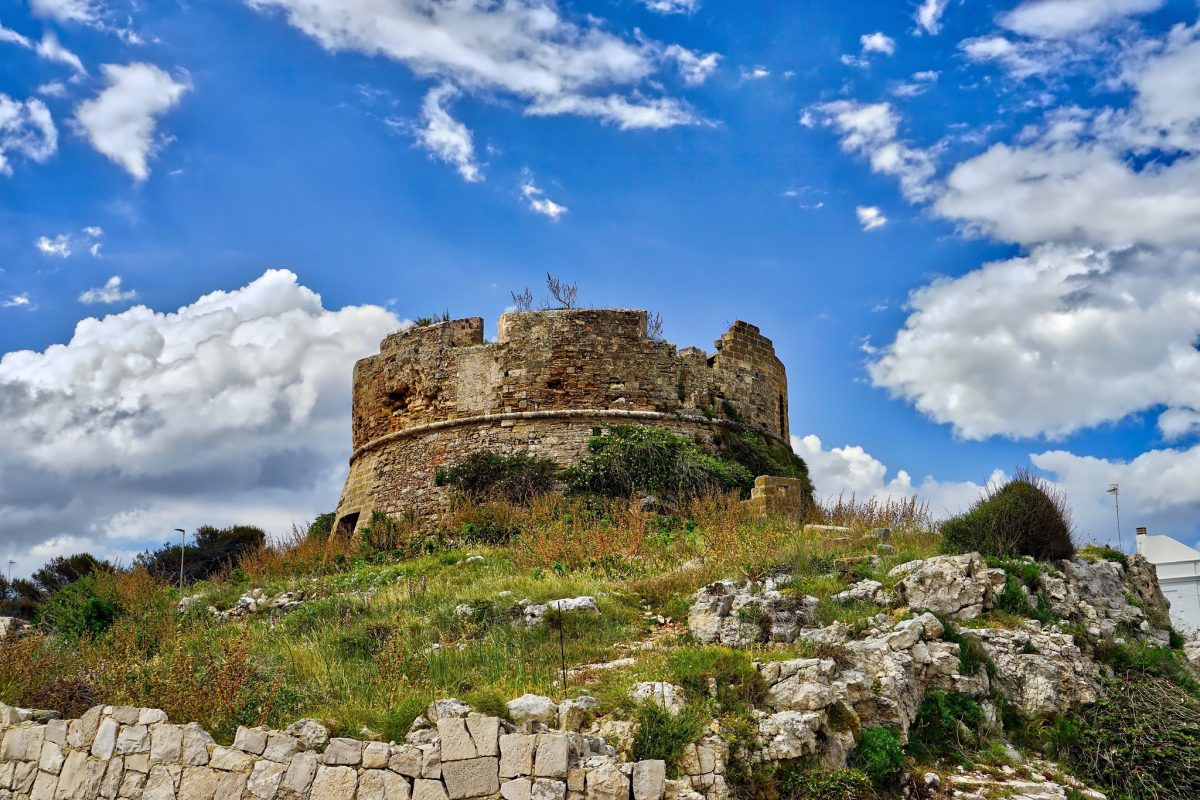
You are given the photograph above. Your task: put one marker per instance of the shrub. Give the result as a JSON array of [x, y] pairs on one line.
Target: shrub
[[1105, 553], [740, 687], [879, 754], [62, 571], [86, 607], [1024, 517], [663, 735], [799, 782], [322, 527], [485, 475], [947, 726], [1141, 741], [631, 460]]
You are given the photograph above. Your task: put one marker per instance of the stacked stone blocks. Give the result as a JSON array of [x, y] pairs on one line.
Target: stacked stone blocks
[[124, 752]]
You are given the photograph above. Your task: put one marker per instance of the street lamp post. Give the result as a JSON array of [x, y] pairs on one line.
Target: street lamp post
[[1115, 491], [182, 549]]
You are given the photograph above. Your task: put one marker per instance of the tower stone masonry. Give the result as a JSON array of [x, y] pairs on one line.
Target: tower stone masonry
[[552, 379]]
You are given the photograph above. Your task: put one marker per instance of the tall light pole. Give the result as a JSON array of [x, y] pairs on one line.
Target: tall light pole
[[182, 549], [10, 566], [1115, 491]]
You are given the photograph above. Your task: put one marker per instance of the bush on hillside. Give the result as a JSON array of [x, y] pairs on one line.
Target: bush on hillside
[[635, 460], [485, 475], [879, 754], [212, 550], [947, 726], [86, 607], [62, 571], [1024, 517], [663, 735]]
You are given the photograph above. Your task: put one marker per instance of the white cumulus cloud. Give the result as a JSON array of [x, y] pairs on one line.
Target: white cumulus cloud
[[120, 122], [870, 217], [929, 15], [10, 36], [877, 42], [15, 301], [694, 67], [672, 6], [59, 246], [108, 294], [26, 129], [81, 11], [235, 407]]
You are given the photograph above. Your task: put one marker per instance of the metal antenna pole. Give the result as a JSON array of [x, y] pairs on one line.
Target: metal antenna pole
[[1115, 491], [182, 549]]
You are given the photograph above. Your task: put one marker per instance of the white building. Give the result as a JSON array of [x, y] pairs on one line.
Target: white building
[[1178, 569]]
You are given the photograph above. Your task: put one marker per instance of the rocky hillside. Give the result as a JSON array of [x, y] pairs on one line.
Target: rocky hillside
[[616, 658]]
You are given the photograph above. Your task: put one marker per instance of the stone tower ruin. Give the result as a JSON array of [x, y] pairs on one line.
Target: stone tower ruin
[[550, 381]]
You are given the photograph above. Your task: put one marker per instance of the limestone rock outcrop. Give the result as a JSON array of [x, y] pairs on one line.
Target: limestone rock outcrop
[[737, 613]]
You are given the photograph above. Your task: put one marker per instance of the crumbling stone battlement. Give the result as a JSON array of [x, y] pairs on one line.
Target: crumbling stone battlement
[[435, 393]]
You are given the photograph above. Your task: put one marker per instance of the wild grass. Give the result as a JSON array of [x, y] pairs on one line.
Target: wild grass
[[382, 633]]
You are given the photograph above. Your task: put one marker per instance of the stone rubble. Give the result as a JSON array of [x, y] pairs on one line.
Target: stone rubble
[[737, 613]]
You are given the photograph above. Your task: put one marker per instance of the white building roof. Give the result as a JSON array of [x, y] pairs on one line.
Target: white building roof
[[1165, 550]]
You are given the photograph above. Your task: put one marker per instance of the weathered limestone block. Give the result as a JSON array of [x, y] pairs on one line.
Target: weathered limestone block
[[281, 747], [166, 744], [138, 762], [110, 784], [125, 715], [300, 772], [958, 586], [424, 789], [649, 778], [82, 731], [106, 739], [485, 734], [133, 739], [199, 783], [52, 758], [265, 778], [250, 740], [606, 782], [516, 754], [476, 777], [230, 760], [553, 756], [131, 784], [531, 708], [457, 744], [378, 784], [151, 716], [43, 786], [446, 708], [56, 731], [548, 789], [517, 789], [196, 744], [431, 761], [343, 752], [24, 775], [334, 783], [162, 781], [865, 591], [375, 755], [405, 759]]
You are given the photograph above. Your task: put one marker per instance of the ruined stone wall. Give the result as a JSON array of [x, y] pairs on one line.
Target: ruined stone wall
[[437, 393], [137, 753]]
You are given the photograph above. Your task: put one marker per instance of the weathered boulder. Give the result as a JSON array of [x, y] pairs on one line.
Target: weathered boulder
[[665, 695], [533, 708], [534, 612], [738, 613], [1096, 594], [865, 591], [310, 733], [958, 586], [1040, 672]]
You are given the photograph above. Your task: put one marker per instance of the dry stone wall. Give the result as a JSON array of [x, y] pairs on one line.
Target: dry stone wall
[[452, 754], [552, 379]]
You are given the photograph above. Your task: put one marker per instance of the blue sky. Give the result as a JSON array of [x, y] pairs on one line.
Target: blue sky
[[971, 228]]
